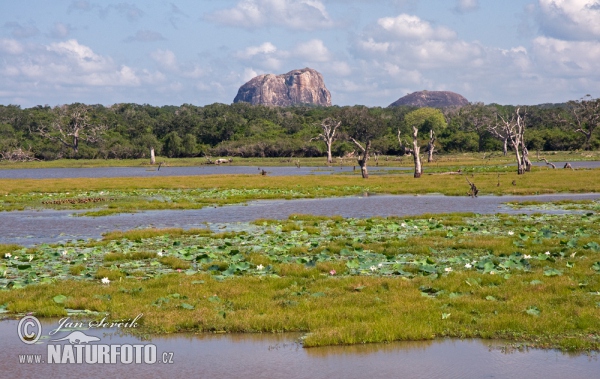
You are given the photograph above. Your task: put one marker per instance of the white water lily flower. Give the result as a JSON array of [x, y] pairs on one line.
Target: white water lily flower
[[527, 256], [16, 257], [64, 252], [492, 273], [415, 227], [160, 254], [7, 255], [373, 268], [30, 257], [510, 233], [105, 280], [547, 253], [380, 265], [260, 267], [468, 265], [403, 225], [573, 255], [448, 269]]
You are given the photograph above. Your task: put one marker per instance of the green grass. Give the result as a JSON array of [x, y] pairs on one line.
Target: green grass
[[528, 278], [123, 195]]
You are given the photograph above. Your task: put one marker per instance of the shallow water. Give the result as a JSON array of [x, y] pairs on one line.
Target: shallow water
[[34, 227], [110, 172], [280, 356]]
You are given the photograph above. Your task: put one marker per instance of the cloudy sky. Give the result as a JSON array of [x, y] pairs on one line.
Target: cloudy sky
[[370, 52]]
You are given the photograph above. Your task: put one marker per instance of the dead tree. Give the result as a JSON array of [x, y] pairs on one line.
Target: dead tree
[[71, 125], [362, 159], [415, 151], [473, 191], [430, 146], [585, 117], [329, 127], [548, 163], [512, 130]]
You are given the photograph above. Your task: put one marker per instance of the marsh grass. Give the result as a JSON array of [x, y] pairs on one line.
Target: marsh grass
[[194, 192], [528, 278]]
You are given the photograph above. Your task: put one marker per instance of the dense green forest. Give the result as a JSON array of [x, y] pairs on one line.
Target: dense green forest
[[243, 130]]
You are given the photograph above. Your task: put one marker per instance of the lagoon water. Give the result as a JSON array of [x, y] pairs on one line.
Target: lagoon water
[[48, 226], [281, 356], [110, 172]]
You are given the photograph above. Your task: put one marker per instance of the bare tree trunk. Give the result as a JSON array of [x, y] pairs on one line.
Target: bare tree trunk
[[152, 157], [505, 147], [520, 167], [329, 158], [526, 161], [431, 146], [362, 160], [415, 152]]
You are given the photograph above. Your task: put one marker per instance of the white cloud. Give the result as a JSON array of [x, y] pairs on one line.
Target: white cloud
[[570, 19], [10, 46], [464, 6], [294, 14], [568, 58], [60, 30], [412, 27], [313, 51], [165, 58], [264, 49]]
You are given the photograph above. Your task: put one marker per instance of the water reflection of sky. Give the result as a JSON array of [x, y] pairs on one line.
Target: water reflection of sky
[[280, 356], [48, 226]]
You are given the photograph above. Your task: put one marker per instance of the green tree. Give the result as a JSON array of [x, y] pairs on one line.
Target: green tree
[[172, 145], [421, 120]]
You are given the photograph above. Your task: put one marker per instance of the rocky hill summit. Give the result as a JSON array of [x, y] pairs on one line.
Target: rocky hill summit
[[433, 99], [305, 86]]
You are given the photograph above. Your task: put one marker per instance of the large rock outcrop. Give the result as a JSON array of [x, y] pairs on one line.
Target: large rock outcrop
[[305, 86], [433, 99]]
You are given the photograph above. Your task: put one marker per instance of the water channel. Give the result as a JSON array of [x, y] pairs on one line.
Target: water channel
[[47, 226], [281, 356], [109, 172]]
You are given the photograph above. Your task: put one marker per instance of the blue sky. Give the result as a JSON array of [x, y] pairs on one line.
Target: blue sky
[[370, 52]]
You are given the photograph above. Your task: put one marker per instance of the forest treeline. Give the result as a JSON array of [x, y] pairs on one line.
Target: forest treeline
[[243, 130]]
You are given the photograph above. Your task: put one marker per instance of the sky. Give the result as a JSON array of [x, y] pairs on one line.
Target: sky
[[370, 52]]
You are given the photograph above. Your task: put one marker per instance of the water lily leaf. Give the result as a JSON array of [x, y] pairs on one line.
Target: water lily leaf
[[59, 299], [198, 282], [214, 299], [318, 294], [445, 315], [570, 264], [187, 306], [596, 266], [594, 246], [552, 272], [491, 298], [536, 282], [572, 243], [533, 311]]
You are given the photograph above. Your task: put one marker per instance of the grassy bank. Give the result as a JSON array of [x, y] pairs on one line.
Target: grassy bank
[[115, 195], [528, 278]]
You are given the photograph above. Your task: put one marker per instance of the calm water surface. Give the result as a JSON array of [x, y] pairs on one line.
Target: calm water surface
[[109, 172], [280, 356], [47, 226]]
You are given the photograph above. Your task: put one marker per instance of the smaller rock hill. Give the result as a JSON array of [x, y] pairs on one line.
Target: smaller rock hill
[[433, 99]]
